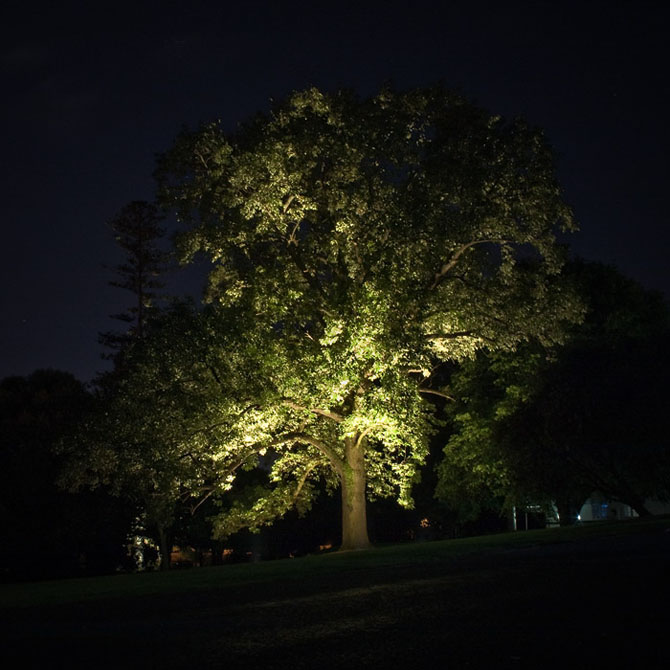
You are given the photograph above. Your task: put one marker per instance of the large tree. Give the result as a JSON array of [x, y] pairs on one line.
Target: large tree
[[355, 244], [551, 426], [138, 233], [148, 434]]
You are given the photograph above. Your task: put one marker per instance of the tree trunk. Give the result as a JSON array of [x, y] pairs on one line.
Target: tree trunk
[[165, 548], [638, 504], [567, 513], [354, 513], [625, 494]]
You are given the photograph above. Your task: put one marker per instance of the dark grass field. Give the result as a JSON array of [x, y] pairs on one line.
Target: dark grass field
[[596, 596]]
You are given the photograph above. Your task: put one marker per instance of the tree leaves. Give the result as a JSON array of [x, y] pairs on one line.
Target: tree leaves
[[352, 240]]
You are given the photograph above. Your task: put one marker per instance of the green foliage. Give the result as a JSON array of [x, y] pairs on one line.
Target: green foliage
[[553, 425], [354, 244], [148, 435]]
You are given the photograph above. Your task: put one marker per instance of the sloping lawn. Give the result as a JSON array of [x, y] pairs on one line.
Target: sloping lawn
[[590, 597]]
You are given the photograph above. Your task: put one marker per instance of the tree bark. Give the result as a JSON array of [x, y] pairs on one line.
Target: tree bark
[[638, 504], [567, 512], [354, 512], [165, 548]]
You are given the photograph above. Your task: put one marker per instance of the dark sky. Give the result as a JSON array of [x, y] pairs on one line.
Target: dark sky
[[92, 91]]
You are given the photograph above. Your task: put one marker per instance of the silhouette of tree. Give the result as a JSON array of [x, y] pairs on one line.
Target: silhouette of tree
[[138, 232], [553, 425]]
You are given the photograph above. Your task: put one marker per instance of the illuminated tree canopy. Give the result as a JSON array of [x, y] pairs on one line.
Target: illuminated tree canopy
[[355, 245]]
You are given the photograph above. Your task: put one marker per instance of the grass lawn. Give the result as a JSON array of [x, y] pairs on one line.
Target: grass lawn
[[592, 596]]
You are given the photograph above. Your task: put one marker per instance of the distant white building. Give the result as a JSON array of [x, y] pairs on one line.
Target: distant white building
[[599, 508]]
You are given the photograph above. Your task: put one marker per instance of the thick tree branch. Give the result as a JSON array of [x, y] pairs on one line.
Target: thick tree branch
[[301, 484], [450, 336], [363, 435], [438, 393], [292, 239], [324, 448], [338, 418], [451, 263], [201, 158], [287, 204], [194, 508]]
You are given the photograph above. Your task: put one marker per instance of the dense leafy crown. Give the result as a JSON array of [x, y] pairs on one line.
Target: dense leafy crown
[[355, 244], [551, 426]]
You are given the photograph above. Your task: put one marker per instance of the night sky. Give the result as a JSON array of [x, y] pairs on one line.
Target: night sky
[[92, 91]]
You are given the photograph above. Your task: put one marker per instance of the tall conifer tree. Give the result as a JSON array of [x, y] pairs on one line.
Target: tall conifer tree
[[138, 232]]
